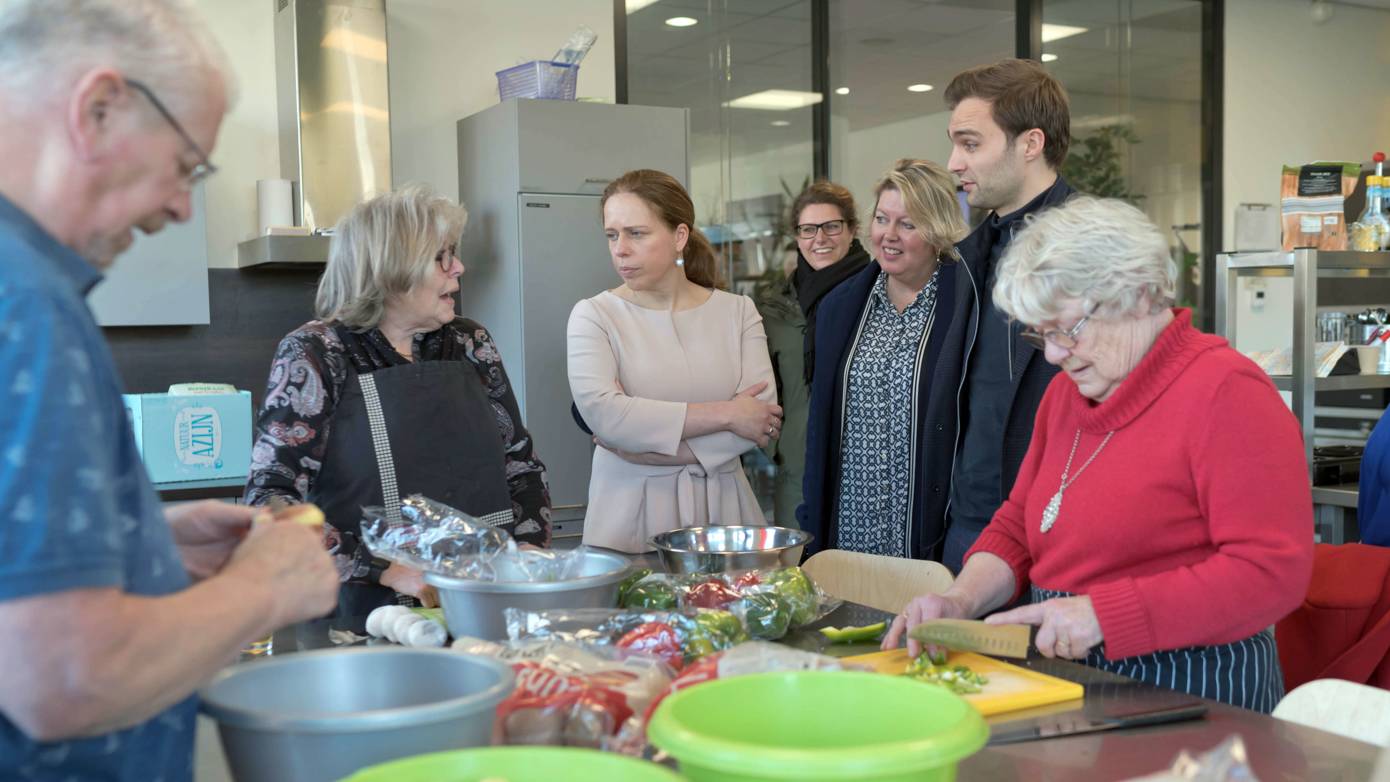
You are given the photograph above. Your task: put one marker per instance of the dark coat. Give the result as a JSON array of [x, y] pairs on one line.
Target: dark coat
[[837, 326], [942, 424]]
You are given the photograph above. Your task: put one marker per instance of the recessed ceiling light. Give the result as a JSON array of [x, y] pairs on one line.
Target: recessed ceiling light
[[919, 88], [842, 90], [1049, 57], [777, 100], [780, 123], [681, 21], [1056, 32], [633, 6]]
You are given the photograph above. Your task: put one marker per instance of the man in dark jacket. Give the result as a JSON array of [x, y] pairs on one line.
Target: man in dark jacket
[[1010, 128]]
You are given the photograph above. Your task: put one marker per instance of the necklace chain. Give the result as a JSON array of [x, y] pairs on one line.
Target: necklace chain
[[1054, 506]]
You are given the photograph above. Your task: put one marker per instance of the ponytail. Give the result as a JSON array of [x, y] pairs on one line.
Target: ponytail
[[701, 264]]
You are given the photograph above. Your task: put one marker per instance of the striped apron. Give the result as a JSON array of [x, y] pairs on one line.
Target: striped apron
[[1245, 673]]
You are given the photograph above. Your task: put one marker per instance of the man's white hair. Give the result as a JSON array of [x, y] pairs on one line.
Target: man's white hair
[[1101, 251], [46, 45]]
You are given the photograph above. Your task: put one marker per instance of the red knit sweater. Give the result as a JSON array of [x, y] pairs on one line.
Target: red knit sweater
[[1194, 526]]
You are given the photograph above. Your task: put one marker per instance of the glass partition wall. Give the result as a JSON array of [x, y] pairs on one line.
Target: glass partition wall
[[745, 69]]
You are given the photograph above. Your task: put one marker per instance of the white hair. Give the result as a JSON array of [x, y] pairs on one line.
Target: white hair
[[1102, 251], [46, 45]]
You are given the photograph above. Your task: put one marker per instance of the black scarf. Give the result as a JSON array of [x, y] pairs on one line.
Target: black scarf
[[812, 285]]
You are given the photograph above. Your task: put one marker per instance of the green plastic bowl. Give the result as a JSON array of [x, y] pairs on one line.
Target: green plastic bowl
[[517, 764], [817, 725]]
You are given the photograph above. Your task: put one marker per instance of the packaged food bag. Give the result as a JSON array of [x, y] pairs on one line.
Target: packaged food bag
[[1312, 201]]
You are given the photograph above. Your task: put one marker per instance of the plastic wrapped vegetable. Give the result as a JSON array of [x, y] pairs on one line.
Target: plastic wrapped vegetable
[[652, 592], [795, 587], [696, 632], [766, 616]]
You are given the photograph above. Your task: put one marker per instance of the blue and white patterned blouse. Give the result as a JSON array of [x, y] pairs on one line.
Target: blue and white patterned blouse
[[876, 449]]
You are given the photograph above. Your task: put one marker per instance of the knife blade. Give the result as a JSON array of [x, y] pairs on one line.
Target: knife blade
[[1077, 722], [973, 635]]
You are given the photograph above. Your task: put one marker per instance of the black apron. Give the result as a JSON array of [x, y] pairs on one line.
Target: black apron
[[426, 427]]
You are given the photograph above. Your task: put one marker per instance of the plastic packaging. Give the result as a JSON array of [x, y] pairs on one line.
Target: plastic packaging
[[576, 47], [677, 638], [768, 602], [433, 537], [1227, 762], [570, 694]]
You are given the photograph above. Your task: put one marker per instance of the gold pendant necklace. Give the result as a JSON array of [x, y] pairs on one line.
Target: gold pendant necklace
[[1054, 505]]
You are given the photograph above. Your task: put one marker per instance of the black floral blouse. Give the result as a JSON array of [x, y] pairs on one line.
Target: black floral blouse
[[306, 382]]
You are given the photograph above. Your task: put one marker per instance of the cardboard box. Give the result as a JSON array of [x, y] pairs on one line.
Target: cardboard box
[[192, 437]]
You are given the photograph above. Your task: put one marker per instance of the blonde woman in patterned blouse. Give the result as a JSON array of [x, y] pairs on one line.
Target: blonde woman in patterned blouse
[[878, 337], [388, 392]]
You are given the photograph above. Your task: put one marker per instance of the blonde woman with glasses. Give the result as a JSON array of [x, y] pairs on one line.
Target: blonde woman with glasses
[[389, 393], [1162, 519], [878, 337]]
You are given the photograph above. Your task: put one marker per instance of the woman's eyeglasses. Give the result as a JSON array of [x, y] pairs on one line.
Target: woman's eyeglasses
[[831, 228], [1065, 340], [445, 258]]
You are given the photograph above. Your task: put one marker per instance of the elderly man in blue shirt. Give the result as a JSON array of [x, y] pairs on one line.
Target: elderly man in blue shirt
[[113, 611]]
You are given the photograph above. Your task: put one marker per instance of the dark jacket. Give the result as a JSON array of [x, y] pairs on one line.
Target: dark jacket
[[942, 424], [838, 325]]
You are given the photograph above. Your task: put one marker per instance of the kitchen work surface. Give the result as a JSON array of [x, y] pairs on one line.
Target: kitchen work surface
[[1010, 688], [1279, 751]]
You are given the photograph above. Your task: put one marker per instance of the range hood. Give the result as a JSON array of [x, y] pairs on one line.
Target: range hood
[[335, 128]]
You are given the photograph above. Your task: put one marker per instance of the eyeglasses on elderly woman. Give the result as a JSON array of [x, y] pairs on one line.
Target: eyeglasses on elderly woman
[[1062, 339]]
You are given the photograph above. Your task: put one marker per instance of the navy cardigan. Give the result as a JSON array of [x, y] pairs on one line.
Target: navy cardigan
[[839, 317]]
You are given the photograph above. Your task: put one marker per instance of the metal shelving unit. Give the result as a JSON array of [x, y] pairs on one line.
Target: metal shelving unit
[[1307, 267]]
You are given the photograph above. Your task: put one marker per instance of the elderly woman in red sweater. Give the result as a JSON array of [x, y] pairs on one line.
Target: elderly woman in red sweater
[[1162, 518]]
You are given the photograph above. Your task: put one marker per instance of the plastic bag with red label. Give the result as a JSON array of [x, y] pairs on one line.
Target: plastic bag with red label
[[570, 694], [746, 658], [677, 638]]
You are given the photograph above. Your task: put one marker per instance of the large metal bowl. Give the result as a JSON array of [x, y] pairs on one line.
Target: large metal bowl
[[729, 548], [474, 608], [322, 715]]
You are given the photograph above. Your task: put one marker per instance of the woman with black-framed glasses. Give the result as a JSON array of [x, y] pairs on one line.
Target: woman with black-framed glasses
[[825, 227], [1162, 519], [878, 338]]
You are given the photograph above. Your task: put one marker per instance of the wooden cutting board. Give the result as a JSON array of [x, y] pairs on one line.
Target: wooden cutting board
[[1010, 687]]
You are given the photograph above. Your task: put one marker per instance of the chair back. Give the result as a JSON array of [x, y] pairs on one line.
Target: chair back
[[1357, 711], [1342, 629], [885, 583]]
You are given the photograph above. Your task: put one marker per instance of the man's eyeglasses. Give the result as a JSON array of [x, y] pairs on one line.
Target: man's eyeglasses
[[204, 168], [1065, 340], [831, 228]]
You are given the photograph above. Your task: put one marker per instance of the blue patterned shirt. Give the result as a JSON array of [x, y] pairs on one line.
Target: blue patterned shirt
[[76, 508], [876, 450]]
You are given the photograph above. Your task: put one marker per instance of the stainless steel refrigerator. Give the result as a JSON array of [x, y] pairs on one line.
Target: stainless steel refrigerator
[[531, 173]]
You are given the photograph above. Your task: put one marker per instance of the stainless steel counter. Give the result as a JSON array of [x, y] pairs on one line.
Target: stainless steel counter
[[1278, 750]]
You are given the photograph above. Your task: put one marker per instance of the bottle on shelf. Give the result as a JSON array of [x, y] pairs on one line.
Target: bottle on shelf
[[1371, 232]]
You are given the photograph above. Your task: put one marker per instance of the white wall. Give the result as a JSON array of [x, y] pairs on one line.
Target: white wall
[[443, 55], [247, 146], [1297, 91], [443, 59]]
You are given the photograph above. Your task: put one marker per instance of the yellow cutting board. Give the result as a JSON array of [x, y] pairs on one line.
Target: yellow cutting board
[[1010, 687]]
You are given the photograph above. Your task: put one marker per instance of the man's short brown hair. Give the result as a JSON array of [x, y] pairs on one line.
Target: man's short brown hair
[[1022, 96]]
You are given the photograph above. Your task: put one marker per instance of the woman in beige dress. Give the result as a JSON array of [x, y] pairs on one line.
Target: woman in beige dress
[[671, 374]]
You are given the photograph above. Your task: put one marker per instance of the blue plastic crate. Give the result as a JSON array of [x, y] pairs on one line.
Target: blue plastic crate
[[538, 79]]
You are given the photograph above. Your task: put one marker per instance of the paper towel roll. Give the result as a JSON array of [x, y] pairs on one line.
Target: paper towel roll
[[274, 204]]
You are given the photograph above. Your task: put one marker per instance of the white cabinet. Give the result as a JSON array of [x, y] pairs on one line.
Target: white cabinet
[[162, 280]]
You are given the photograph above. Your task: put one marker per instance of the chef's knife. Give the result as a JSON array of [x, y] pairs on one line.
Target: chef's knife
[[973, 635], [1093, 718]]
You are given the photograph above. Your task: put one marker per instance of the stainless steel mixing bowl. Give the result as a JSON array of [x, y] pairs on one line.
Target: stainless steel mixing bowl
[[474, 608], [724, 549]]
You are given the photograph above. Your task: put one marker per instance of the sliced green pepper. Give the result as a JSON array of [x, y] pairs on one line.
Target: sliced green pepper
[[849, 635]]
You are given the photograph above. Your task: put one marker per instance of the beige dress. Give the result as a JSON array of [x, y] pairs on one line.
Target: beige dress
[[632, 371]]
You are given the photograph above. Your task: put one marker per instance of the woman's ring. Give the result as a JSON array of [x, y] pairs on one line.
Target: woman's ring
[[770, 430]]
